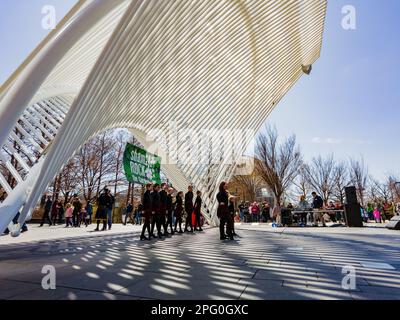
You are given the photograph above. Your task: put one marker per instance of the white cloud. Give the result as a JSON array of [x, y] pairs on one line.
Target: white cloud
[[326, 140], [319, 140]]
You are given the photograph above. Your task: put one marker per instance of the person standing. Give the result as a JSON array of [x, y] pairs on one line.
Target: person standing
[[197, 212], [68, 215], [104, 202], [231, 208], [223, 211], [138, 214], [277, 214], [60, 211], [170, 208], [110, 207], [129, 213], [163, 208], [265, 212], [303, 207], [317, 205], [46, 213], [241, 210], [179, 212], [189, 209], [89, 213], [146, 201], [155, 211], [77, 204], [377, 215], [54, 211]]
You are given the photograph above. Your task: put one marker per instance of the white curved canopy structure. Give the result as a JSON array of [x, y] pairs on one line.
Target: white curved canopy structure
[[186, 76]]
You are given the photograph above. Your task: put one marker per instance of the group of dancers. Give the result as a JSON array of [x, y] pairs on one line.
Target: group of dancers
[[159, 206]]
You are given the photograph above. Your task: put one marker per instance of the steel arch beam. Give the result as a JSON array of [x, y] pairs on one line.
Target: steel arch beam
[[214, 65]]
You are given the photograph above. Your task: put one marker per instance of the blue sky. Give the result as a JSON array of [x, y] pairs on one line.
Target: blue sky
[[350, 105]]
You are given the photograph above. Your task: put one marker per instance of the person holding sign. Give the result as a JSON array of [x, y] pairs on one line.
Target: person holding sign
[[146, 212], [189, 209]]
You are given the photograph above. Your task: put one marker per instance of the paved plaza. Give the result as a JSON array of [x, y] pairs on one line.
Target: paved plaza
[[262, 263]]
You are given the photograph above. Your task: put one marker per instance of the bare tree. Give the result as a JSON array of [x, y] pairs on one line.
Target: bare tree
[[248, 183], [97, 163], [279, 163], [359, 177], [320, 175], [394, 187], [68, 180], [381, 190], [341, 180]]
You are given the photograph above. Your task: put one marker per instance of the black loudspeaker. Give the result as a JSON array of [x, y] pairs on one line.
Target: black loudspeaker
[[394, 223], [351, 195], [353, 215]]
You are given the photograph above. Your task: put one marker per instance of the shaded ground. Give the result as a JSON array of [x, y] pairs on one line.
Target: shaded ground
[[262, 263]]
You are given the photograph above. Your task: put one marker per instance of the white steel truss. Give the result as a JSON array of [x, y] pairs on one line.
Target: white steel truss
[[185, 76]]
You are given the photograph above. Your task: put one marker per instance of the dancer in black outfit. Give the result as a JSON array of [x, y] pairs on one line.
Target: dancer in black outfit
[[179, 211], [155, 205], [223, 212], [197, 212], [146, 201], [163, 208], [170, 208], [189, 209]]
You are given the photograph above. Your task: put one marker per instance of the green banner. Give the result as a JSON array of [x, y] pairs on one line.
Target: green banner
[[140, 166]]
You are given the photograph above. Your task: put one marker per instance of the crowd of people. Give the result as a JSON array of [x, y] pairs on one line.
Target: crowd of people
[[312, 213], [162, 211], [77, 213], [379, 212]]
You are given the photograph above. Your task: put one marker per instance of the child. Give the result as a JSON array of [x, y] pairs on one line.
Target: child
[[377, 215], [68, 215]]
